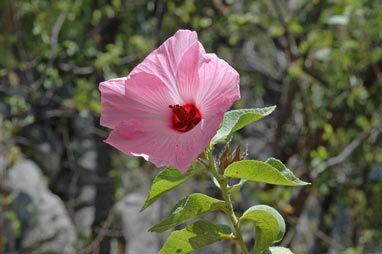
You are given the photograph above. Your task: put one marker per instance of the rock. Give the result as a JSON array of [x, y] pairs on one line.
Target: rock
[[51, 228], [88, 160], [136, 225], [83, 218]]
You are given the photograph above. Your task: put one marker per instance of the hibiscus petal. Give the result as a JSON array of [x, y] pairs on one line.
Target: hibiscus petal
[[219, 85], [147, 97], [195, 141], [148, 138], [142, 96], [113, 100], [188, 74], [161, 145], [163, 62]]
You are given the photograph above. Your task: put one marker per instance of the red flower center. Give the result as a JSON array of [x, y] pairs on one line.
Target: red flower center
[[185, 117]]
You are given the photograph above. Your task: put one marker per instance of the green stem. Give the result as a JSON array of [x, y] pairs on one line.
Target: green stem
[[227, 198]]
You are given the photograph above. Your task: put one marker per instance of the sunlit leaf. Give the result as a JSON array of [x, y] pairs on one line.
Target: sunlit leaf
[[192, 206], [270, 226], [166, 180], [195, 236], [234, 120], [272, 171]]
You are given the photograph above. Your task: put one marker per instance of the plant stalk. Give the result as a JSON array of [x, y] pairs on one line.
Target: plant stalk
[[227, 198]]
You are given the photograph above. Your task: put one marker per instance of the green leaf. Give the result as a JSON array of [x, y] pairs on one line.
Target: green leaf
[[237, 186], [272, 171], [166, 180], [270, 226], [278, 250], [234, 120], [192, 206], [195, 236]]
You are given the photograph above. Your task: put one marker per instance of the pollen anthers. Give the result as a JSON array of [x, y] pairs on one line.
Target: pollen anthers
[[185, 117]]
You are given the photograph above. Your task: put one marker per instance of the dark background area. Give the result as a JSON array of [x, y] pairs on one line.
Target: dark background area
[[62, 190]]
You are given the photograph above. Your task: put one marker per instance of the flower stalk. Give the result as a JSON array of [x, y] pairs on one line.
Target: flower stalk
[[223, 181]]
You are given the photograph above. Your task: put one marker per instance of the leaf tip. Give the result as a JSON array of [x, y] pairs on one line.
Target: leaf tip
[[143, 207], [153, 229], [271, 109]]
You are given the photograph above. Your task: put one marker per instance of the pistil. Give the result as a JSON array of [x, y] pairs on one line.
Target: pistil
[[185, 117]]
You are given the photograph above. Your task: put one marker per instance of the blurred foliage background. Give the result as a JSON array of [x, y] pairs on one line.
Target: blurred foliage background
[[319, 61]]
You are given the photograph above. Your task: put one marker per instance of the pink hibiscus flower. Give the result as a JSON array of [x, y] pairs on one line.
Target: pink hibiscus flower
[[170, 106]]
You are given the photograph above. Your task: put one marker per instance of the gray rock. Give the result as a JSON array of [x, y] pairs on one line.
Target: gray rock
[[136, 225], [83, 218], [88, 160], [51, 228]]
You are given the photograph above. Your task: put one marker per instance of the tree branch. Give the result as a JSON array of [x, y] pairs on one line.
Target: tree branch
[[352, 146], [101, 233], [53, 49]]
